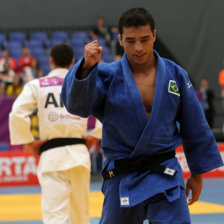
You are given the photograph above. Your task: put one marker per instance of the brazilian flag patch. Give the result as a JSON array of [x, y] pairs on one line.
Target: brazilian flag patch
[[173, 88]]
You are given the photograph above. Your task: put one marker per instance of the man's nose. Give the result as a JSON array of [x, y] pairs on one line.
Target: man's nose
[[138, 46]]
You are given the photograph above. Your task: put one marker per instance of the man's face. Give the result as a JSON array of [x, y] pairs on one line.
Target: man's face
[[138, 43]]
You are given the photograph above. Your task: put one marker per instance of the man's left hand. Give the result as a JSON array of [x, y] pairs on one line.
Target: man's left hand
[[194, 184]]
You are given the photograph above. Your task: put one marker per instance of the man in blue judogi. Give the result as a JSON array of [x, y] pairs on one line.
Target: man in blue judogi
[[140, 100]]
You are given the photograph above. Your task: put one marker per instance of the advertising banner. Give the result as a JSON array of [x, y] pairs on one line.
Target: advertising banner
[[20, 167]]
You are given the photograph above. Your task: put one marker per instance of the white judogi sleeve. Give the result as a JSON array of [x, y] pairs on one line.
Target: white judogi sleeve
[[19, 118]]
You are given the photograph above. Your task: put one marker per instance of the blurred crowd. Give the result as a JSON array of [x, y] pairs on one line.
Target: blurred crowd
[[24, 57], [15, 73]]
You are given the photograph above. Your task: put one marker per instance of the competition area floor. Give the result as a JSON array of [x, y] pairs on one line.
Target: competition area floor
[[21, 205]]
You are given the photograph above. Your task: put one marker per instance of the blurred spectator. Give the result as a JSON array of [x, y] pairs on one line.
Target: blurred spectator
[[6, 77], [32, 72], [6, 57], [25, 60], [14, 89], [37, 72], [206, 97], [200, 98], [101, 30]]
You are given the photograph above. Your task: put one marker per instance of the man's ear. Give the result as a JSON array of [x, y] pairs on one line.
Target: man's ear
[[154, 36], [51, 61], [120, 39]]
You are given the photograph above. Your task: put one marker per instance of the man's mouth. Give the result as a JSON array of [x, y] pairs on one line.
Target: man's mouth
[[139, 55]]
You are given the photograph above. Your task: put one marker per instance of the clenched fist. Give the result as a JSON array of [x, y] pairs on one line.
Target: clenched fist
[[92, 56], [92, 53]]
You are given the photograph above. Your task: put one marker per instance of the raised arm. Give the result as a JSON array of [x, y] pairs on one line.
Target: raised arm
[[83, 90], [92, 56]]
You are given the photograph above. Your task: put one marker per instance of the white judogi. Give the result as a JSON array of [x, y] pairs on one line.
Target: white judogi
[[63, 172]]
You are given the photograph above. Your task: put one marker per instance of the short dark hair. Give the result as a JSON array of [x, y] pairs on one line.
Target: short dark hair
[[136, 17], [62, 55]]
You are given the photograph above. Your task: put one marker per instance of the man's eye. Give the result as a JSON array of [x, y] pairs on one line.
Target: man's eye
[[130, 41]]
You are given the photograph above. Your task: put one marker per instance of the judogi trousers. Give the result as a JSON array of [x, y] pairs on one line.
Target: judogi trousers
[[65, 196], [157, 212]]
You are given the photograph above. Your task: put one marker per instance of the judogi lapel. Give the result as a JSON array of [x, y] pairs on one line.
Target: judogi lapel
[[146, 124]]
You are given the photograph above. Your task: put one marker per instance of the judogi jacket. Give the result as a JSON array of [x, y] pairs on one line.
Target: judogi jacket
[[54, 122], [109, 93]]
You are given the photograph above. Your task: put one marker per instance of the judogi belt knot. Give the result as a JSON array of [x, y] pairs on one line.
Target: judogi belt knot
[[152, 163]]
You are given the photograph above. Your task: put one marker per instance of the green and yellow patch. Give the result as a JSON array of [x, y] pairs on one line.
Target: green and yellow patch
[[173, 88]]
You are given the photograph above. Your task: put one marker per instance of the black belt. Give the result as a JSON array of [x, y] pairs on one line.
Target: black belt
[[152, 163], [58, 142]]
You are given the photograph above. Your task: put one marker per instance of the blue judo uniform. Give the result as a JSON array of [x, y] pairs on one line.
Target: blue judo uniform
[[110, 94]]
